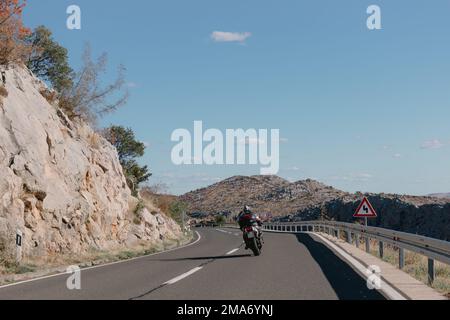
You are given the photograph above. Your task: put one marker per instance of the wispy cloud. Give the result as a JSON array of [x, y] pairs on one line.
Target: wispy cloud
[[132, 85], [354, 177], [193, 178], [222, 36], [432, 144]]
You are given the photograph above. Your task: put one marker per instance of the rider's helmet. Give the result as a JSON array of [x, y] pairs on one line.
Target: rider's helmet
[[247, 210]]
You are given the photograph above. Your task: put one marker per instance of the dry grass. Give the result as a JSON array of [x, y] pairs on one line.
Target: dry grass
[[93, 257], [49, 95], [416, 265], [94, 140], [157, 201]]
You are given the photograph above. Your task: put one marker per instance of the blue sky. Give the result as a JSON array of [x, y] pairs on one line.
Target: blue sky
[[358, 109]]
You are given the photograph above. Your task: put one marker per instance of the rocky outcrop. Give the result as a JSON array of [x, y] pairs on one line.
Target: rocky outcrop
[[61, 184], [305, 200]]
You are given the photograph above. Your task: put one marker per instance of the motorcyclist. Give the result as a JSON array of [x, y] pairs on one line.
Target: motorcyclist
[[246, 218]]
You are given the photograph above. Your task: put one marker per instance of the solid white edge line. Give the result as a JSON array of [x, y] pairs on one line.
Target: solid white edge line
[[386, 288], [183, 276], [199, 237], [232, 251]]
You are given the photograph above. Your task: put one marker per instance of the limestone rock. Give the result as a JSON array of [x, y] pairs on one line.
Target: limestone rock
[[60, 182]]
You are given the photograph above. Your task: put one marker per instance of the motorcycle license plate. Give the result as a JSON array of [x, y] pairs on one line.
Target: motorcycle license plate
[[250, 235]]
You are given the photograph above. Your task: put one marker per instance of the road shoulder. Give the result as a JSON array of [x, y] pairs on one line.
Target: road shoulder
[[404, 284], [16, 279]]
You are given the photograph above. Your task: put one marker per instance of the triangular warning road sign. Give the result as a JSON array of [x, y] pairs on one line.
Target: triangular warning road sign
[[365, 210]]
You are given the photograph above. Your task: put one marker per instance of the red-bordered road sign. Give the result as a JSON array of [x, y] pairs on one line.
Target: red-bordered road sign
[[365, 210]]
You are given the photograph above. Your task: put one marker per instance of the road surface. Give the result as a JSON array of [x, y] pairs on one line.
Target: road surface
[[292, 267]]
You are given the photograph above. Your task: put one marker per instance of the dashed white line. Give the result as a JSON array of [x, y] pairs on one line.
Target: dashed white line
[[232, 251], [183, 276]]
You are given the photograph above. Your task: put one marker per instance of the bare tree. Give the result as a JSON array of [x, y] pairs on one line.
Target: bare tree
[[87, 98]]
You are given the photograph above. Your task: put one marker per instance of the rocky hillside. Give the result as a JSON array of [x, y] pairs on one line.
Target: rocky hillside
[[310, 200], [266, 194], [61, 184], [440, 195]]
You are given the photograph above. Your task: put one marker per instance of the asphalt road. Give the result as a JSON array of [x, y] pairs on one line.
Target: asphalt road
[[292, 267]]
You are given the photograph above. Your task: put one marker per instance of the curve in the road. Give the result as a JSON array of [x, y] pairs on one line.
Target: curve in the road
[[215, 267]]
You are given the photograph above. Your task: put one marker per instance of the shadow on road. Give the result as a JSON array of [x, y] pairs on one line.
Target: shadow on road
[[209, 258], [347, 284]]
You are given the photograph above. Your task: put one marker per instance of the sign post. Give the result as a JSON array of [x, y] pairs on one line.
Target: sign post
[[366, 211], [19, 241]]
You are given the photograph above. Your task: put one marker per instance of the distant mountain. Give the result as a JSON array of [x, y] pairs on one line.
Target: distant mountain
[[440, 195], [310, 200], [265, 194]]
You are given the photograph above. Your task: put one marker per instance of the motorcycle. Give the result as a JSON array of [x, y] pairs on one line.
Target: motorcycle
[[253, 239]]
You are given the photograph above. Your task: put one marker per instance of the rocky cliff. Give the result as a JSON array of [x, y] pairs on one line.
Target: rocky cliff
[[61, 184], [312, 200]]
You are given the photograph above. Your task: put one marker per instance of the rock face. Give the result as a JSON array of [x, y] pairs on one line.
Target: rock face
[[61, 184], [311, 200]]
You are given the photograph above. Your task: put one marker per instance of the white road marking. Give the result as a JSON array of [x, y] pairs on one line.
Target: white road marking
[[232, 251], [199, 237], [183, 276]]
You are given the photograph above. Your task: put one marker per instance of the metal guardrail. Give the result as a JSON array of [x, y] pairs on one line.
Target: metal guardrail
[[433, 249]]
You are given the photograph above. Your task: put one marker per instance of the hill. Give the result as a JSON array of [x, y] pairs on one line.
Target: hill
[[274, 197]]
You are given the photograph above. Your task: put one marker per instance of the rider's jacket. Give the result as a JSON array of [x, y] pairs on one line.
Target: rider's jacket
[[248, 219]]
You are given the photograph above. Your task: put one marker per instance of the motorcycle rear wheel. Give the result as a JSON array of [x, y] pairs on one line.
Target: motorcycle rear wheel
[[254, 247]]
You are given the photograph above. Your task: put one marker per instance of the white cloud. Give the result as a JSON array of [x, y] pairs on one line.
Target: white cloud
[[284, 140], [132, 85], [192, 178], [221, 36], [397, 155], [354, 177], [432, 144]]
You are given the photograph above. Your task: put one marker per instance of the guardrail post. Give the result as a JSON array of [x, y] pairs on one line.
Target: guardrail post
[[349, 237], [357, 240], [337, 233], [401, 258], [381, 249], [431, 271], [367, 244]]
